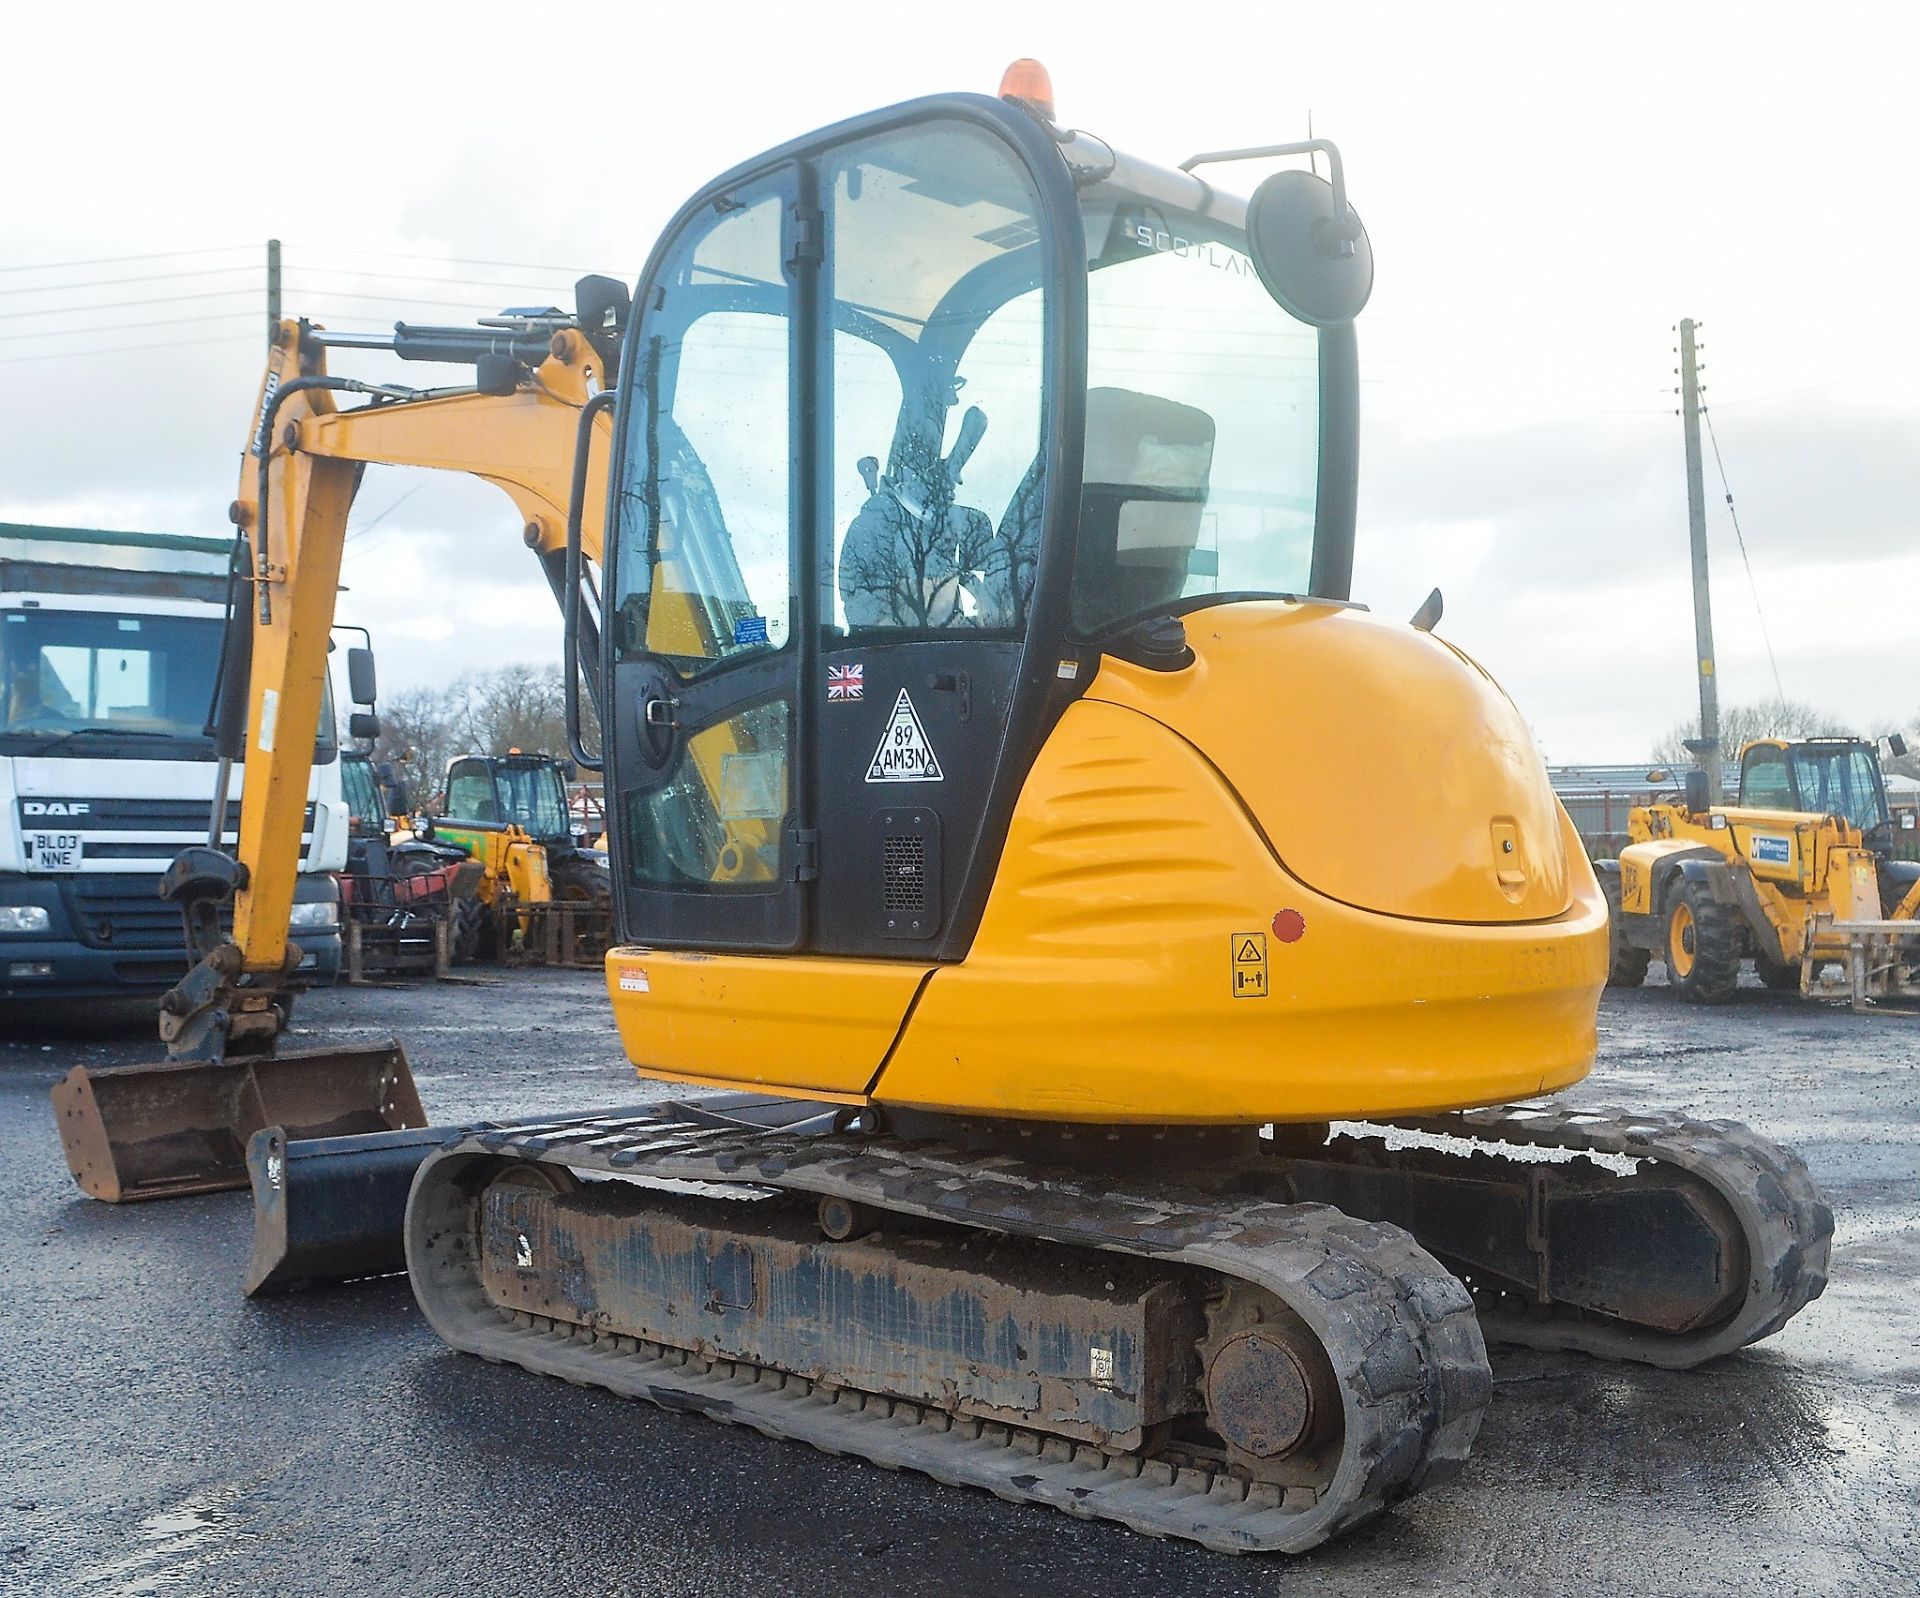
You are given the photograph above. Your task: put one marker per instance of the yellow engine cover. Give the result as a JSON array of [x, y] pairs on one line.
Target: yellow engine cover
[[1229, 894]]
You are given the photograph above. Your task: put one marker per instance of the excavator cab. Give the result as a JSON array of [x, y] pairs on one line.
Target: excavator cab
[[1009, 412], [937, 430]]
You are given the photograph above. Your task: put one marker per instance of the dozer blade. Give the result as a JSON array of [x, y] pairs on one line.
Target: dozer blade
[[333, 1209], [163, 1131]]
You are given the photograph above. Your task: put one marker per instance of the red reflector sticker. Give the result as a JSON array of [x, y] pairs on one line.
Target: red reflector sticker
[[1289, 926]]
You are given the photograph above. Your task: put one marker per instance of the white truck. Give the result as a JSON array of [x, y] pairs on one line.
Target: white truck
[[109, 644]]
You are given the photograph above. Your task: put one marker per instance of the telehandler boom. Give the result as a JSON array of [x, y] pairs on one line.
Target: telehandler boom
[[980, 675]]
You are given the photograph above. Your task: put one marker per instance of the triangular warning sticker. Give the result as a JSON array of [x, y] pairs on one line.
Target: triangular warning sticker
[[904, 754], [1247, 952]]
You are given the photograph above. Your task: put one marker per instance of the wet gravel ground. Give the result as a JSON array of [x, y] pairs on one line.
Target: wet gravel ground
[[161, 1435]]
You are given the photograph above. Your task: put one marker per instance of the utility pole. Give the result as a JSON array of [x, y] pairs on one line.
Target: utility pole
[[273, 290], [1709, 740]]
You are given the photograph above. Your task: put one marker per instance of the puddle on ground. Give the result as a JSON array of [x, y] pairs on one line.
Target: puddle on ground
[[173, 1545]]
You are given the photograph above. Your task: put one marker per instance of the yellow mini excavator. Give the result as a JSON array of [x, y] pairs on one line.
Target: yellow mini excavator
[[984, 710]]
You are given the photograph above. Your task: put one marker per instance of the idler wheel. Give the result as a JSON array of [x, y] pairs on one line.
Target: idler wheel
[[1266, 1393]]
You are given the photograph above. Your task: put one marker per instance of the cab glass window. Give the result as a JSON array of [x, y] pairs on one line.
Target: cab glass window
[[470, 794], [705, 512], [939, 319], [1763, 780], [1840, 781], [1203, 420]]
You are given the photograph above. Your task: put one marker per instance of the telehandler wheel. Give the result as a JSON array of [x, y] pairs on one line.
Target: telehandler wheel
[[1703, 948], [469, 927], [1626, 964], [583, 881]]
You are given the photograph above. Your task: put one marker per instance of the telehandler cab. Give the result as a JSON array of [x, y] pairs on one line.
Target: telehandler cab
[[975, 602]]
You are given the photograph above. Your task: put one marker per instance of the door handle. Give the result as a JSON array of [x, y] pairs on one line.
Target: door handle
[[658, 713]]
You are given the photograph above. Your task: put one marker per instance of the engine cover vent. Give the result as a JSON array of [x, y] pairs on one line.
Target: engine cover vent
[[909, 898]]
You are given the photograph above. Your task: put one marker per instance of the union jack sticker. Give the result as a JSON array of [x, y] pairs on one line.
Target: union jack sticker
[[846, 683]]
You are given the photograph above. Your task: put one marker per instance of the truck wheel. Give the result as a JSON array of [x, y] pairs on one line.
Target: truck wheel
[[1626, 965], [1703, 945]]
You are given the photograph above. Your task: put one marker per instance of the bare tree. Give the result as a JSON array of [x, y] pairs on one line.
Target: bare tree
[[517, 706], [511, 707], [417, 736], [1765, 718]]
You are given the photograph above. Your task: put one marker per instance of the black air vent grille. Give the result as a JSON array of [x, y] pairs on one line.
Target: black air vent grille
[[905, 865], [905, 842]]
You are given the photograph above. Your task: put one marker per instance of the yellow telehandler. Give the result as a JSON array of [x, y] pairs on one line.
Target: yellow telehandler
[[543, 895], [1799, 875], [975, 648]]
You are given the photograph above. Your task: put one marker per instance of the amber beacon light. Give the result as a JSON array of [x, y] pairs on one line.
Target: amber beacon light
[[1027, 81]]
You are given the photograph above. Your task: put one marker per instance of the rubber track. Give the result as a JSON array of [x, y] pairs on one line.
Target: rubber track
[[1788, 1225], [1399, 1329]]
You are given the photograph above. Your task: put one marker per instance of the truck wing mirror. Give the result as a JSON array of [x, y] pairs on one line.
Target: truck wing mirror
[[1896, 745], [361, 686], [1699, 795], [363, 724]]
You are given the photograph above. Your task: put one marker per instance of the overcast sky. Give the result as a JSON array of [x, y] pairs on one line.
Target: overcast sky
[[1548, 191]]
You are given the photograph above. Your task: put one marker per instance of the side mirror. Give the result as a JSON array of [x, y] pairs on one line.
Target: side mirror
[[1896, 745], [1908, 820], [601, 304], [1698, 794], [364, 724], [569, 772], [360, 676], [1317, 264]]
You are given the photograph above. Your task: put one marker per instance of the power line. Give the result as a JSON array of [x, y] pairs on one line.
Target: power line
[[367, 527], [460, 260], [121, 260], [121, 305], [129, 349], [114, 282], [1740, 538], [127, 327], [393, 299], [360, 275]]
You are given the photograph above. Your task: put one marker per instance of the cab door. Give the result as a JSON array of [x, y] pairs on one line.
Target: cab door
[[704, 733], [846, 400]]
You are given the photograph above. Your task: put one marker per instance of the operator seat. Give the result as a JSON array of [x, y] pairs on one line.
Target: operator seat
[[1140, 442]]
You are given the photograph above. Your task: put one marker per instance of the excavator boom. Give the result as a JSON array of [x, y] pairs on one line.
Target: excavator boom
[[183, 1125]]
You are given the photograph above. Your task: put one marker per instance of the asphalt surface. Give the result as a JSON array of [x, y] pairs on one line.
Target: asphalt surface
[[161, 1435]]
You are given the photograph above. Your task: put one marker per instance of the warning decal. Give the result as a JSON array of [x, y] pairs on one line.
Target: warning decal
[[904, 754], [1249, 967]]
